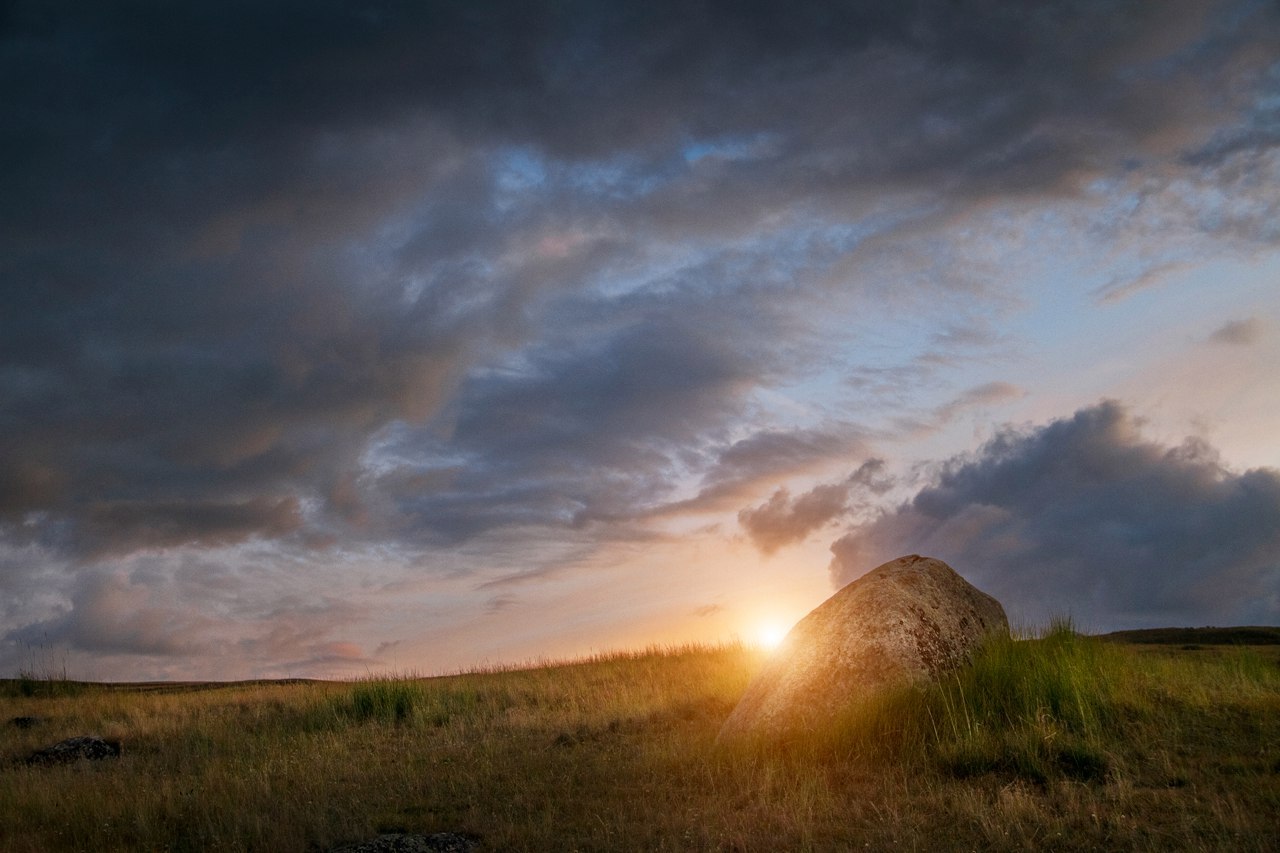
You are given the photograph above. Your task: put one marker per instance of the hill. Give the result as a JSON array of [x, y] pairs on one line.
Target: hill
[[1063, 742], [1250, 635]]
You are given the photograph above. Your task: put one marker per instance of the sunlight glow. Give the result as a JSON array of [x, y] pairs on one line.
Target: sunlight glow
[[770, 635]]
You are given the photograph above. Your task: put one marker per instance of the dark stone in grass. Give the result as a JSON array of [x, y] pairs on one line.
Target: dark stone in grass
[[1073, 762], [1081, 764], [910, 620], [438, 842], [25, 722], [90, 747]]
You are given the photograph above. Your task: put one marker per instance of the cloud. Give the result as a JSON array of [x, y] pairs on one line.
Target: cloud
[[977, 397], [133, 526], [239, 611], [737, 470], [1238, 332], [237, 272], [987, 394], [784, 519], [111, 613], [1084, 516], [586, 431], [501, 603], [497, 288]]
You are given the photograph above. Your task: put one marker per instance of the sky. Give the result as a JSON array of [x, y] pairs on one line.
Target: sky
[[341, 338]]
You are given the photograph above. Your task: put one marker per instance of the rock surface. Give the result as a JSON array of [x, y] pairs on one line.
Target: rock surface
[[438, 842], [90, 747], [909, 620]]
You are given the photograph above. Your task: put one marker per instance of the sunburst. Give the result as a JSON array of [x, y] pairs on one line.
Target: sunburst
[[770, 635]]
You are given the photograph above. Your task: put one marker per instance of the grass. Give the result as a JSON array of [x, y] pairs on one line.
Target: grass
[[1061, 742], [44, 674]]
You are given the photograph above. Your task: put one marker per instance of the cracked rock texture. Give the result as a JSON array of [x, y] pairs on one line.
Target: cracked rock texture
[[909, 620]]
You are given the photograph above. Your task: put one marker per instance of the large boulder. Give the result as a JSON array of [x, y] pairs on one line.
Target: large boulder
[[910, 620]]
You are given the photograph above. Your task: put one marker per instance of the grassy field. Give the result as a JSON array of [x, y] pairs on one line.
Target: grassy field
[[1061, 742]]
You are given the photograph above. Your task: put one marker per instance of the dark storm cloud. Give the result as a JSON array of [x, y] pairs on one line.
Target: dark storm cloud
[[1086, 517], [136, 526], [243, 243], [785, 519], [741, 468], [593, 430]]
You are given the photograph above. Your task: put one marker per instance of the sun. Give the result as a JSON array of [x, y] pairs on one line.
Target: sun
[[770, 635]]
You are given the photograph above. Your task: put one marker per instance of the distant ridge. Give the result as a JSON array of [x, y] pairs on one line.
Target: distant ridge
[[14, 684], [1250, 635]]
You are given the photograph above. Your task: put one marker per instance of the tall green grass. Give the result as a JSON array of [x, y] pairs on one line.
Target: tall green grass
[[1034, 708], [1037, 708], [409, 701], [393, 701]]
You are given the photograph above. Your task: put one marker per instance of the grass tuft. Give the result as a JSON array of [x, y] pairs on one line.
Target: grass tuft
[[44, 674], [387, 701]]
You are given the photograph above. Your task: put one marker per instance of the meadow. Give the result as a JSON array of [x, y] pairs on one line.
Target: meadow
[[1060, 742]]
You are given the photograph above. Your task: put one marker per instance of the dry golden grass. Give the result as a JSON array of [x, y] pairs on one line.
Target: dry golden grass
[[1059, 743]]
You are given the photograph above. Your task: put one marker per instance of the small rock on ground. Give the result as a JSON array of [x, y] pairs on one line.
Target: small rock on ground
[[25, 722], [90, 747], [438, 842]]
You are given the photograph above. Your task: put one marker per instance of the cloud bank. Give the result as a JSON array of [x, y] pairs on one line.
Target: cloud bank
[[1085, 517], [242, 240]]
